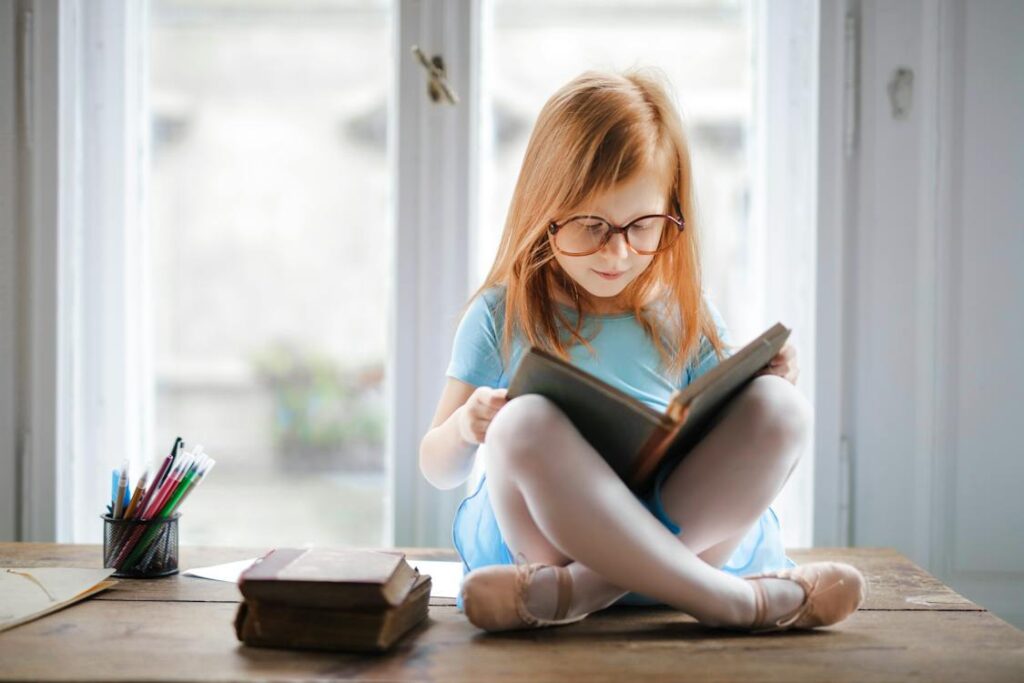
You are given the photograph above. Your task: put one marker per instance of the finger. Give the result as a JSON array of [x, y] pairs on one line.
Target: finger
[[479, 427], [488, 412]]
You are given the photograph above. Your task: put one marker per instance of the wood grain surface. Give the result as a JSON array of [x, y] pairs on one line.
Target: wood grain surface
[[179, 628]]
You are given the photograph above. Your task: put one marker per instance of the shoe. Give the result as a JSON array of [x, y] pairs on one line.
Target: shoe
[[833, 591], [493, 597]]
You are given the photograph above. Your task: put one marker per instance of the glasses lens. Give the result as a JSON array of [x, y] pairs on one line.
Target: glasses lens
[[581, 235], [646, 235]]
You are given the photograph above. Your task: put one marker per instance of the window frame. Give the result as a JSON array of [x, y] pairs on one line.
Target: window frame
[[437, 176]]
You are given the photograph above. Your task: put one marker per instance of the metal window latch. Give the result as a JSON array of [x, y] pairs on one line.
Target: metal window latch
[[901, 90], [437, 83]]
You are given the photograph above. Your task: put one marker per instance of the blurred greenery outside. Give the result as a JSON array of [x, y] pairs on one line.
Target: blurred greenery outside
[[325, 416]]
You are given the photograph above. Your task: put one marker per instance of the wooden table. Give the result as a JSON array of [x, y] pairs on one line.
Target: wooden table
[[180, 628]]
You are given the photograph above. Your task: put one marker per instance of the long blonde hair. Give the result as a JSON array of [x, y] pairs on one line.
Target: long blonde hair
[[595, 132]]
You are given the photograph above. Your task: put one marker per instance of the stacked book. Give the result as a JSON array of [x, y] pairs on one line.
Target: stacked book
[[330, 599]]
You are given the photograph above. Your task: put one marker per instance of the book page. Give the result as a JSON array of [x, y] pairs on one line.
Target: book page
[[27, 593]]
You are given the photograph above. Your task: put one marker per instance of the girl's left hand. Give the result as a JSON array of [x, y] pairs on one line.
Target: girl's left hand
[[783, 364]]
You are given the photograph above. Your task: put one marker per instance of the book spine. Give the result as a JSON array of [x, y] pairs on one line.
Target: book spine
[[649, 456]]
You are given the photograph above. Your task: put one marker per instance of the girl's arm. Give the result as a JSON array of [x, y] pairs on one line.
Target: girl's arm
[[448, 449]]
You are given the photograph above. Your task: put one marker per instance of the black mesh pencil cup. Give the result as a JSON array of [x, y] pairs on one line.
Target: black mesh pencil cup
[[141, 548]]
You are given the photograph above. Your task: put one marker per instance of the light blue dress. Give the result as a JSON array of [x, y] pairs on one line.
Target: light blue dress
[[626, 359]]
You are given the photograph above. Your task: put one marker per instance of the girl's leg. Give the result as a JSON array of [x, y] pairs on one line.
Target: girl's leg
[[618, 545], [726, 481]]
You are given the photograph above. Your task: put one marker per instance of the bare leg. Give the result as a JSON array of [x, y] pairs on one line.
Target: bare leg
[[728, 480]]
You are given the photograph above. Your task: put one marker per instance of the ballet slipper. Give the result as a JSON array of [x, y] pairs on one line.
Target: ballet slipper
[[494, 597], [832, 591]]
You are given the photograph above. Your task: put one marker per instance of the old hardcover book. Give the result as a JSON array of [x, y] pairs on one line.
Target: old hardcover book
[[276, 625], [633, 437], [329, 578]]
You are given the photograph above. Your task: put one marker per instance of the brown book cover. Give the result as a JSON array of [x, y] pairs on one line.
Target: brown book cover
[[275, 625], [633, 437], [329, 578]]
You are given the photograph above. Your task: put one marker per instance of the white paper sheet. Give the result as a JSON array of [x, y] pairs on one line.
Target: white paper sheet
[[222, 572], [445, 577]]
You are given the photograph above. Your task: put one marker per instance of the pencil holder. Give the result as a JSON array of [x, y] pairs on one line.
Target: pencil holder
[[141, 548]]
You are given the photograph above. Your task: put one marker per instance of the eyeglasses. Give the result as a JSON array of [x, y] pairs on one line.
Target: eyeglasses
[[585, 235]]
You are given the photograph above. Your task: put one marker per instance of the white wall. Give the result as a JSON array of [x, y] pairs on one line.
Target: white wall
[[935, 295]]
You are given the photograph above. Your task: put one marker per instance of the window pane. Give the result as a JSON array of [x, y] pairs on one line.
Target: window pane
[[704, 48], [270, 247]]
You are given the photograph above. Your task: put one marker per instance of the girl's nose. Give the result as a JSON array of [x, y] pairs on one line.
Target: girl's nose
[[617, 246]]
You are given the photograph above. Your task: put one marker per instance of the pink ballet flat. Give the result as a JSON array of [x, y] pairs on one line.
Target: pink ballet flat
[[833, 591], [493, 597]]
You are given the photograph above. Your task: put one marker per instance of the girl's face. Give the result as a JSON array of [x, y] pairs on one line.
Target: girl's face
[[605, 273]]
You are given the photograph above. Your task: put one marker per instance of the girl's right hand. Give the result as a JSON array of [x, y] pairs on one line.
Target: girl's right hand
[[478, 411]]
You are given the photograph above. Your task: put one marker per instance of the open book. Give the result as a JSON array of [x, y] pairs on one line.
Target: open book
[[633, 437], [27, 593]]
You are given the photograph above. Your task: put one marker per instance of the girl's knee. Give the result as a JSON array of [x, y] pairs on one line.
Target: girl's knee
[[522, 426], [778, 411]]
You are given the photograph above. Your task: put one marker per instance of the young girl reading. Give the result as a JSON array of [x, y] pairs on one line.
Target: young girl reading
[[599, 264]]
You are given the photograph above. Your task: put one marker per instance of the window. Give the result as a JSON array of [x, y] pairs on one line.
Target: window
[[281, 242], [268, 190]]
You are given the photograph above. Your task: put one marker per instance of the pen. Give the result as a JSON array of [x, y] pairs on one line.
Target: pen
[[171, 483], [158, 480], [178, 443], [197, 480], [122, 484], [140, 489]]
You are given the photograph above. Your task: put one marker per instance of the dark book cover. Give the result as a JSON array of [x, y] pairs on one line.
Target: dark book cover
[[329, 577], [630, 435], [276, 625]]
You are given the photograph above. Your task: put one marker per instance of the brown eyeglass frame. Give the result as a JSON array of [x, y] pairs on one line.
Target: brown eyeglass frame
[[553, 228]]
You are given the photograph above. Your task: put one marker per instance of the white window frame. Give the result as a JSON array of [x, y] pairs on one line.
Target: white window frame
[[783, 215], [76, 326], [83, 293], [836, 139], [437, 174]]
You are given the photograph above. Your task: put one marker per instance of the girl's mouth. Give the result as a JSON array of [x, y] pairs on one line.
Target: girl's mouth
[[609, 276]]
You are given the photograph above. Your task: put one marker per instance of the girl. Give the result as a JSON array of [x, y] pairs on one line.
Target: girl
[[598, 263]]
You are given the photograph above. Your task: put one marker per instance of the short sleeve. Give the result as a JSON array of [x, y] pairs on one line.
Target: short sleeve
[[706, 358], [476, 355]]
